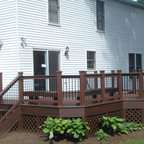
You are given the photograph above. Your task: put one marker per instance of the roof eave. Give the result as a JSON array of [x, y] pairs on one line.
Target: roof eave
[[132, 3]]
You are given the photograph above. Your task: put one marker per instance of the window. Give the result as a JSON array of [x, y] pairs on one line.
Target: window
[[90, 60], [100, 15], [53, 11], [135, 62]]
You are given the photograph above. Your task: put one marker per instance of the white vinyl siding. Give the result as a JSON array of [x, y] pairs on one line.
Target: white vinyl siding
[[78, 31]]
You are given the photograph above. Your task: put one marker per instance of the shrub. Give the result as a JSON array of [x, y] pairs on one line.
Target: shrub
[[75, 127], [78, 129], [113, 125]]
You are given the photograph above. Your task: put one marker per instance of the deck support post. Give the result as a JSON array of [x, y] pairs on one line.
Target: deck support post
[[59, 88], [120, 83], [140, 84], [134, 83], [112, 78], [21, 86], [103, 85], [82, 87]]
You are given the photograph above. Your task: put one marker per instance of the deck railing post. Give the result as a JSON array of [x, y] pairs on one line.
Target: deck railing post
[[0, 86], [59, 88], [120, 83], [82, 87], [0, 82], [134, 83], [112, 78], [96, 80], [140, 84], [102, 85], [21, 86]]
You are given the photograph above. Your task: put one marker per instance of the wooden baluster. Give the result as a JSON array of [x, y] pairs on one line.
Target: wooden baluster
[[59, 88], [82, 87]]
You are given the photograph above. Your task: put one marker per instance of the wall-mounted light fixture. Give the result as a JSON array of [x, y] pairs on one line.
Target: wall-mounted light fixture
[[23, 42], [1, 44], [67, 52]]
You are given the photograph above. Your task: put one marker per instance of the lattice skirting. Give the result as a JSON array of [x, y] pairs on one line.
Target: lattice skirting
[[93, 120], [30, 123], [133, 115]]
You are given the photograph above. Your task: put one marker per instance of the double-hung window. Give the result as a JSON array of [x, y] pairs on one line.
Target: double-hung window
[[90, 60], [53, 11], [135, 62], [100, 15]]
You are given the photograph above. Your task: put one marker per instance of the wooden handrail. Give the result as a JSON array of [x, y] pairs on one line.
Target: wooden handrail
[[9, 86], [9, 111]]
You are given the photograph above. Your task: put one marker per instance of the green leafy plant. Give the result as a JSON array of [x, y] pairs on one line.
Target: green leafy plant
[[133, 126], [75, 127], [78, 129], [102, 135], [54, 125], [113, 125]]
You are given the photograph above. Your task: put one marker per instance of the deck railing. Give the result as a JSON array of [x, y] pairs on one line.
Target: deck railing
[[9, 97], [81, 90], [73, 90]]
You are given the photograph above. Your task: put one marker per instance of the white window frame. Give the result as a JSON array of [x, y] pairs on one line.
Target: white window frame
[[52, 23], [93, 60], [135, 60], [100, 30]]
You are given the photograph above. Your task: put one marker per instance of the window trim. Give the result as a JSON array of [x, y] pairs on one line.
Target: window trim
[[89, 69], [51, 23], [100, 30], [135, 60]]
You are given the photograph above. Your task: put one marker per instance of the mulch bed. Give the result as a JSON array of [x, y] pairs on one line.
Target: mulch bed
[[35, 138]]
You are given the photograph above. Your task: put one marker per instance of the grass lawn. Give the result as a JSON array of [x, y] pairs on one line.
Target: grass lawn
[[139, 141]]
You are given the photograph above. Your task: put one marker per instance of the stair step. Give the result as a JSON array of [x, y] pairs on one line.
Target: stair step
[[3, 110]]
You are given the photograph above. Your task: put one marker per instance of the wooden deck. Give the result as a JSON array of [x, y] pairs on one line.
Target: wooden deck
[[87, 96]]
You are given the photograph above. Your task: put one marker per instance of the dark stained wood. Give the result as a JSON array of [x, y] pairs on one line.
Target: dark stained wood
[[40, 93], [59, 88], [82, 87], [10, 121], [141, 84], [102, 85], [120, 83], [1, 82], [20, 86]]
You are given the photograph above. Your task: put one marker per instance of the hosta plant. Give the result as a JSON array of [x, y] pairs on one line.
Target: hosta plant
[[54, 125], [75, 128], [78, 129], [113, 125], [101, 135]]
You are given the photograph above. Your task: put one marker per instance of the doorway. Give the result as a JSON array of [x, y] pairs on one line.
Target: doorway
[[45, 63]]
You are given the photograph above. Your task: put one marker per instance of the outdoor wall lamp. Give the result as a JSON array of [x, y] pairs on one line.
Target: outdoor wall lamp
[[1, 44], [67, 52], [23, 42]]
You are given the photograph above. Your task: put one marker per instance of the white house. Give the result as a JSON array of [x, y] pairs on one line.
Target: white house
[[43, 36]]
